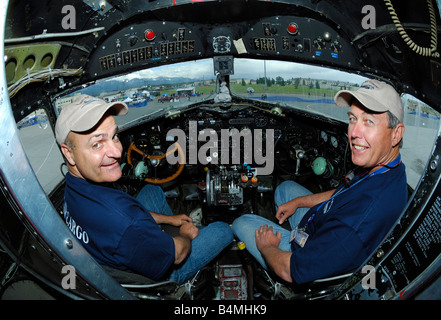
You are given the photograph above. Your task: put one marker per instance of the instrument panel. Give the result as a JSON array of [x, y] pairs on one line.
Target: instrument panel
[[297, 143], [150, 43], [144, 44]]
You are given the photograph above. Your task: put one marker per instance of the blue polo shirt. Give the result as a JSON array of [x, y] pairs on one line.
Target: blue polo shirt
[[116, 229], [345, 230]]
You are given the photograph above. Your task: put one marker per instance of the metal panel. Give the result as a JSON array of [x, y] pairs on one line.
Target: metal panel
[[34, 205]]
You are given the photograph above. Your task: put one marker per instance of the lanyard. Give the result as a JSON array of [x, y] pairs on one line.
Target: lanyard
[[391, 165]]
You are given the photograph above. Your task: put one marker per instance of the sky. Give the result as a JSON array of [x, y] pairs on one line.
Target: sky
[[247, 69]]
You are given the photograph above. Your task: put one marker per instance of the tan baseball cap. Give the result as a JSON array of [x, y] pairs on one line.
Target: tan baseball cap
[[83, 114], [375, 95]]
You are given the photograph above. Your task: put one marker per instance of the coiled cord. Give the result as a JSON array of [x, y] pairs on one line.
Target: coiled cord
[[423, 51]]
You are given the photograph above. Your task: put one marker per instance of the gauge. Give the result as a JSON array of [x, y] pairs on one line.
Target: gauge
[[142, 144], [272, 121], [261, 120], [334, 141], [336, 46], [221, 44], [324, 136], [319, 43], [277, 133], [154, 140]]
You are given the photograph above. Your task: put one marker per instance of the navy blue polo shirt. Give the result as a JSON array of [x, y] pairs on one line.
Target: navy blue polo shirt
[[346, 229], [116, 229]]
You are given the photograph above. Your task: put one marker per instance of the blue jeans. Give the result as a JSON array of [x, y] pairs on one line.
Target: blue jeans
[[211, 240], [245, 226]]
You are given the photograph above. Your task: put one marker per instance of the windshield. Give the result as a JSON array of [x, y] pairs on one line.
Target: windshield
[[153, 92], [178, 85]]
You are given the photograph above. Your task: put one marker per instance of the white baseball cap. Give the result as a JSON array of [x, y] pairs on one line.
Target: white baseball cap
[[374, 95], [83, 114]]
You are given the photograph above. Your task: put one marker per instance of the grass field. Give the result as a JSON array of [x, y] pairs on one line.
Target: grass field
[[260, 89], [282, 90]]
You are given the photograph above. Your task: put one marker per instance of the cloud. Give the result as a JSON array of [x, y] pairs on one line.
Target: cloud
[[191, 69]]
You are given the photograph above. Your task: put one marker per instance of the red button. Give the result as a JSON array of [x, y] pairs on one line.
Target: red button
[[292, 28], [150, 35]]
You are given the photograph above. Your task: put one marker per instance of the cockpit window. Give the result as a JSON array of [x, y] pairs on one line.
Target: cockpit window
[[41, 149], [293, 85], [288, 84], [422, 123], [154, 92]]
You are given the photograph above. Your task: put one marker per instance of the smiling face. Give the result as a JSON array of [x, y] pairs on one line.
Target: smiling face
[[95, 155], [372, 141]]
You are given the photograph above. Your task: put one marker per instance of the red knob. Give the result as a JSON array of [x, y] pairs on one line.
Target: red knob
[[149, 35], [292, 28]]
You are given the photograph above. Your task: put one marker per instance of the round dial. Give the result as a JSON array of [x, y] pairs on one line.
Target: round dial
[[319, 43], [221, 44], [336, 46], [154, 140], [334, 141], [261, 120]]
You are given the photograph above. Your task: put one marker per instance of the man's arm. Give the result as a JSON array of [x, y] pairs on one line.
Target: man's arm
[[285, 210], [187, 232], [174, 220], [268, 244]]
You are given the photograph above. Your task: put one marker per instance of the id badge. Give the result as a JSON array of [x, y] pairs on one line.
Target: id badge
[[299, 236]]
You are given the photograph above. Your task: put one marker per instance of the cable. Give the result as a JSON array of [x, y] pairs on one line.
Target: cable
[[39, 76], [46, 35], [423, 51]]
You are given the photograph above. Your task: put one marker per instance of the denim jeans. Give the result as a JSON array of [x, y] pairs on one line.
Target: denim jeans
[[245, 226], [212, 239]]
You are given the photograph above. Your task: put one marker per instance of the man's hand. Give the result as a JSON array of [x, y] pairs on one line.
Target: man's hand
[[189, 230], [265, 238], [179, 220], [174, 220], [268, 244], [286, 210]]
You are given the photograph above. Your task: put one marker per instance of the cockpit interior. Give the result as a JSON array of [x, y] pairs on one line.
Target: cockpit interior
[[227, 99]]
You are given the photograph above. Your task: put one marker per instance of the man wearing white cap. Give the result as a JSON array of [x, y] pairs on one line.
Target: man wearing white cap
[[118, 230], [335, 231]]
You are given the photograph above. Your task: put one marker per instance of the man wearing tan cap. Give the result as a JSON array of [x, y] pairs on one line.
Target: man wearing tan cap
[[118, 230], [334, 232]]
